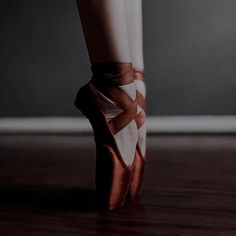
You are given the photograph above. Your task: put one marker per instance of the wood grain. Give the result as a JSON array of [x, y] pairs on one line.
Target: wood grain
[[47, 188]]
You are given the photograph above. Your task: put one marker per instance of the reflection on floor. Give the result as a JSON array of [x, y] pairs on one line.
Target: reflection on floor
[[47, 188]]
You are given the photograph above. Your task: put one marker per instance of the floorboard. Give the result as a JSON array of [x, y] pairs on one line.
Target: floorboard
[[47, 188]]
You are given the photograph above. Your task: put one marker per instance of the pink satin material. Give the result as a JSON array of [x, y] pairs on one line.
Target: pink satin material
[[140, 161], [113, 177]]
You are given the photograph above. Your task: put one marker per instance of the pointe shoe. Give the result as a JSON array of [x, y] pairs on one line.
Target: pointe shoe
[[140, 161], [113, 175]]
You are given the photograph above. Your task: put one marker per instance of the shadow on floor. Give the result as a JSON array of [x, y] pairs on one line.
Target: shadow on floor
[[72, 199]]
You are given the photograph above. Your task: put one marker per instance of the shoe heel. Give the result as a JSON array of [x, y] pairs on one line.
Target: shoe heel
[[82, 99], [89, 109]]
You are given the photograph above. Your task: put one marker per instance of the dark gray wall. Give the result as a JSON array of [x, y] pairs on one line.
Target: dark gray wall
[[189, 48]]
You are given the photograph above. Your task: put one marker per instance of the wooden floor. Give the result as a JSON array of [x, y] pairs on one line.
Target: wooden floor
[[47, 188]]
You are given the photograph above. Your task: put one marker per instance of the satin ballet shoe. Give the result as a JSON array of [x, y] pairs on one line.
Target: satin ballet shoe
[[136, 184], [140, 161], [113, 175]]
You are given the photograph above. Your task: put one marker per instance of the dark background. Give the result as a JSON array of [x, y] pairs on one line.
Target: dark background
[[189, 49]]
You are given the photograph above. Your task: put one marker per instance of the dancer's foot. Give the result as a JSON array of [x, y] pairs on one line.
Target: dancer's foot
[[140, 157], [108, 100]]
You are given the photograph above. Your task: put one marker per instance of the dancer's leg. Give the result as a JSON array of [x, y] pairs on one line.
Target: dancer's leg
[[105, 30], [135, 34]]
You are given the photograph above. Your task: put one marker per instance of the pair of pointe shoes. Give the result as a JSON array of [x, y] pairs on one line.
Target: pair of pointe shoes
[[115, 180]]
